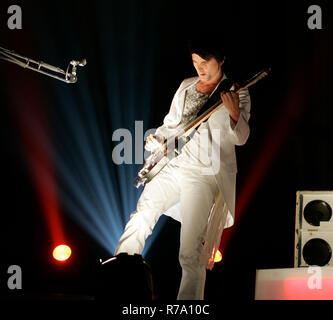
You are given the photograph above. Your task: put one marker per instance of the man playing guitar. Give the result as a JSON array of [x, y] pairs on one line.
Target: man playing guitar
[[188, 188]]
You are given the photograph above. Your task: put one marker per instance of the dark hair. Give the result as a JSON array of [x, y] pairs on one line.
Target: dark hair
[[206, 49]]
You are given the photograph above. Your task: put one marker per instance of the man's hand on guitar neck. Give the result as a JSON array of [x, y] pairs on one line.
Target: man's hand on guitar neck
[[230, 100]]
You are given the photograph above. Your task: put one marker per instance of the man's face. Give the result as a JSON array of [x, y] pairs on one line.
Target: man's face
[[207, 69]]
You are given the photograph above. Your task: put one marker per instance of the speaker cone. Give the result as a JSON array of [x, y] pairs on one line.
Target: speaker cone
[[317, 252], [316, 211]]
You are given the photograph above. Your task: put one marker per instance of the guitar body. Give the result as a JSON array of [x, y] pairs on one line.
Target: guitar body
[[149, 170], [158, 160]]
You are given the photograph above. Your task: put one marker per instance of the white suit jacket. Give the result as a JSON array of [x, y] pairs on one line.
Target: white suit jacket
[[231, 134]]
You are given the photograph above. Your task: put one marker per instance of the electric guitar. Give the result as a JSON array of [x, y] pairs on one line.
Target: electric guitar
[[171, 147]]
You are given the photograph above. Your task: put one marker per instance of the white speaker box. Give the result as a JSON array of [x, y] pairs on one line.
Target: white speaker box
[[313, 228]]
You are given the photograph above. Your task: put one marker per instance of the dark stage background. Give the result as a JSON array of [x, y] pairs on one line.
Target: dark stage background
[[137, 56]]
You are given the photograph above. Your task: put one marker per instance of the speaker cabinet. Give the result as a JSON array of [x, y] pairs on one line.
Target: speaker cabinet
[[313, 228]]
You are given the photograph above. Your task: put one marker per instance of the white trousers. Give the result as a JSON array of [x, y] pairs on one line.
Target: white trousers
[[196, 193]]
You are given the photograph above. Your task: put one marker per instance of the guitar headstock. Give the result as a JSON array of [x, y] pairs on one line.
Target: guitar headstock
[[264, 73], [258, 76]]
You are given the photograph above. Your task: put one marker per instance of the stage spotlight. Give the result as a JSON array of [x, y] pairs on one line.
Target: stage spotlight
[[218, 256], [62, 252]]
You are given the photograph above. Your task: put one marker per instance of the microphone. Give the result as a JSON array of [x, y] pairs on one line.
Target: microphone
[[81, 63], [71, 75]]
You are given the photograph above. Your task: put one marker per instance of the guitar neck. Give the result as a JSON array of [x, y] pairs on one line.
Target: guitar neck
[[196, 122], [219, 104]]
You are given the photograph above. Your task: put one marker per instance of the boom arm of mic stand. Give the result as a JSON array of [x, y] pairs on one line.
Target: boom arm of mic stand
[[68, 76]]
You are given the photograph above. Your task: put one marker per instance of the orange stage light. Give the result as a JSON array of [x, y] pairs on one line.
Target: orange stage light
[[62, 252], [218, 256]]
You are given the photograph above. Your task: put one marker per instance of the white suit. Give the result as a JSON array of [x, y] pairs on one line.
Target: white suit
[[204, 204]]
